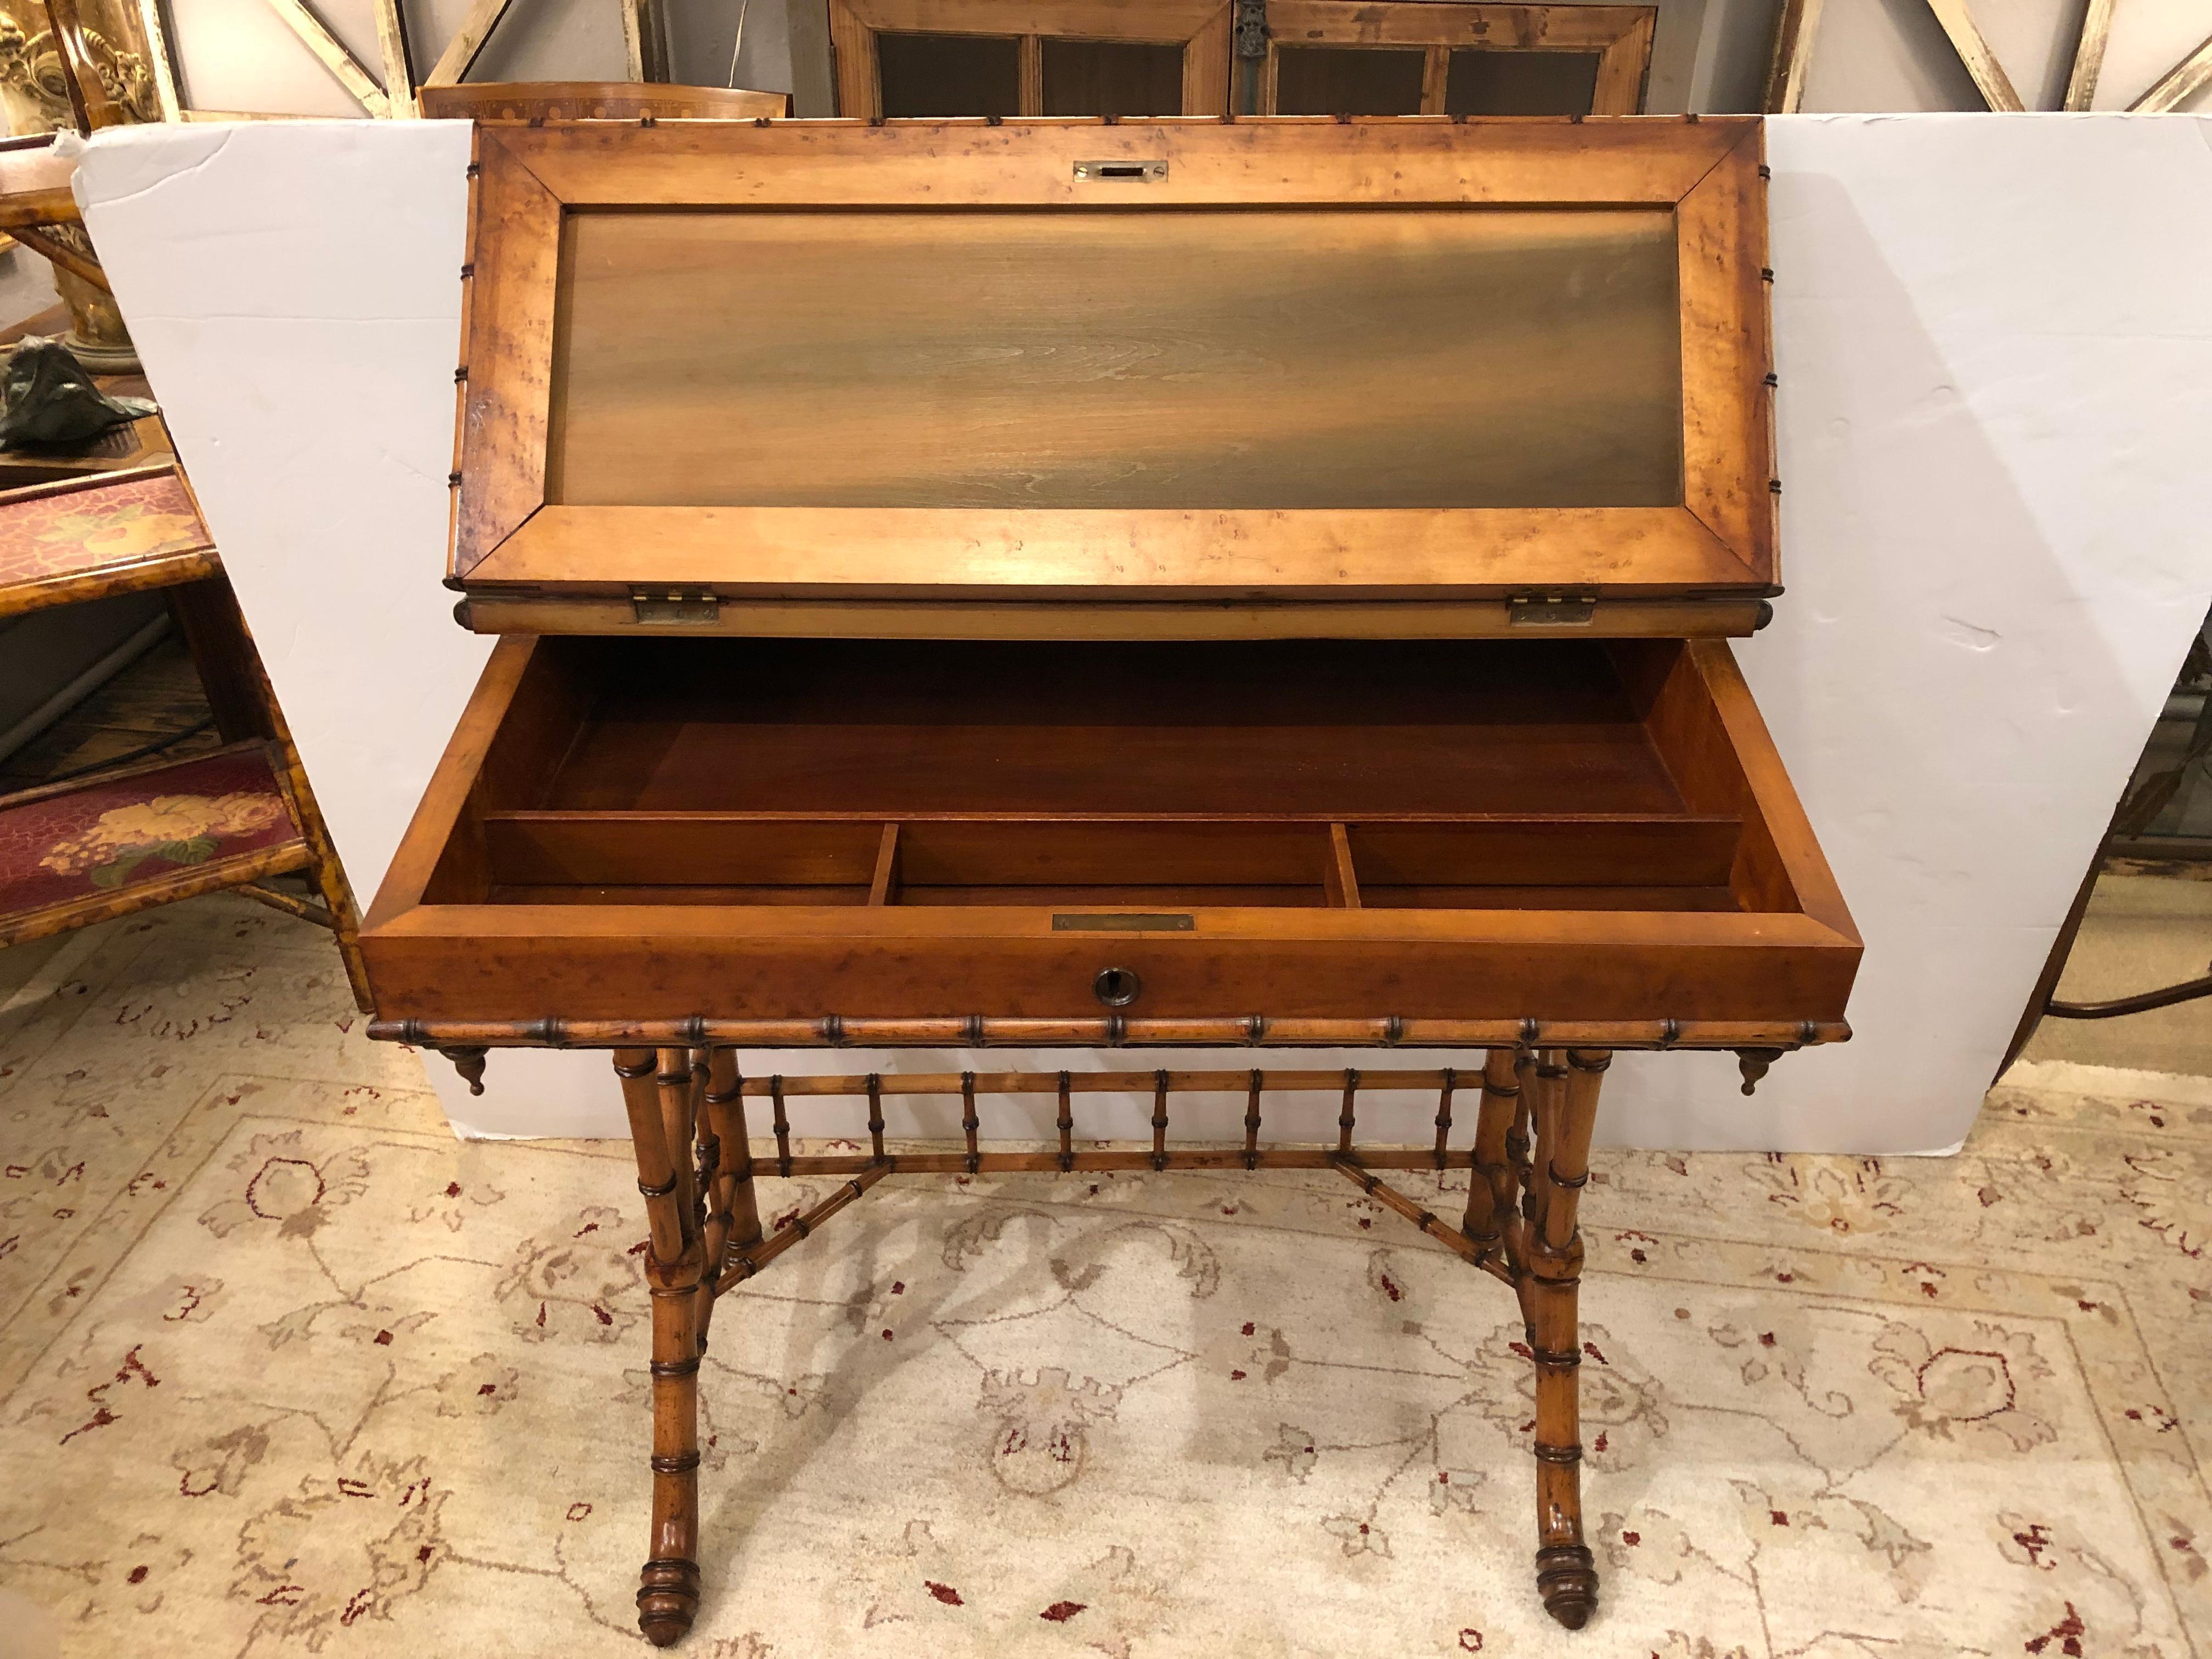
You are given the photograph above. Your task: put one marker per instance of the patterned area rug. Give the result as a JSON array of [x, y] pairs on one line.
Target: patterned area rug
[[284, 1367]]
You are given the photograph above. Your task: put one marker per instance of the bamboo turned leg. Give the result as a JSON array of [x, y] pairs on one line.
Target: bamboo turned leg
[[714, 1189], [1535, 1083], [725, 1170], [1565, 1110], [679, 1113], [658, 1094], [1491, 1185], [727, 1107]]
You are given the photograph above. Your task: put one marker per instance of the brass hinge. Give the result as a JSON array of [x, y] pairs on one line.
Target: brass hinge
[[1550, 610], [677, 607]]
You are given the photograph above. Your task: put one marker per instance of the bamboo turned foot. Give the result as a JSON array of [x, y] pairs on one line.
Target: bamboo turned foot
[[667, 1599], [1567, 1577]]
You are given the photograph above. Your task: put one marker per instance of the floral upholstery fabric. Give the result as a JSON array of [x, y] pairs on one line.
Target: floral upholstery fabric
[[74, 531], [106, 837]]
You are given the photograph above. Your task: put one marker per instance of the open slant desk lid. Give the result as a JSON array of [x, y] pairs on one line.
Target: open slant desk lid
[[1145, 378]]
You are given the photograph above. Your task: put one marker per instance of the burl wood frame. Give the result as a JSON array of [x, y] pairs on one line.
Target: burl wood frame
[[1708, 562], [1200, 27], [1618, 36]]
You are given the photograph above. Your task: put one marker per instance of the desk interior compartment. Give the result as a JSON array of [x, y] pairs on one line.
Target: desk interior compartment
[[1447, 774]]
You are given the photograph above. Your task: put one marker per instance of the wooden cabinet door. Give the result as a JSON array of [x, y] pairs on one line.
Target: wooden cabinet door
[[1418, 57], [939, 58]]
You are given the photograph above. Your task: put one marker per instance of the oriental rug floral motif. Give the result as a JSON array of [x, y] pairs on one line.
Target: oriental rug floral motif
[[104, 836], [285, 1368]]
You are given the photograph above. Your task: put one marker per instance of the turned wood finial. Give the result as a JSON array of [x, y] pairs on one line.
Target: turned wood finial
[[667, 1600], [1567, 1577], [1753, 1063], [470, 1063]]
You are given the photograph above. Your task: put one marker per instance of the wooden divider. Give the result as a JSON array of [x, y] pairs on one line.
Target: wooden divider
[[1479, 860]]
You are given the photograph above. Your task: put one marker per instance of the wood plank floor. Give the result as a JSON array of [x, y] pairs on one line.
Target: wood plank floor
[[157, 696]]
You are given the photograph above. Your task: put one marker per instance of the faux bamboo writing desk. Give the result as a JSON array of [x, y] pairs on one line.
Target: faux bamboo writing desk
[[1076, 583]]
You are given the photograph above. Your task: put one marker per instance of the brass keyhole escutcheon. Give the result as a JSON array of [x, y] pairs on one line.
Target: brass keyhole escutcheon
[[1117, 987]]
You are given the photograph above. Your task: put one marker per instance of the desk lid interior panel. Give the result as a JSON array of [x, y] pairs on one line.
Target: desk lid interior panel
[[1069, 362], [1098, 358]]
